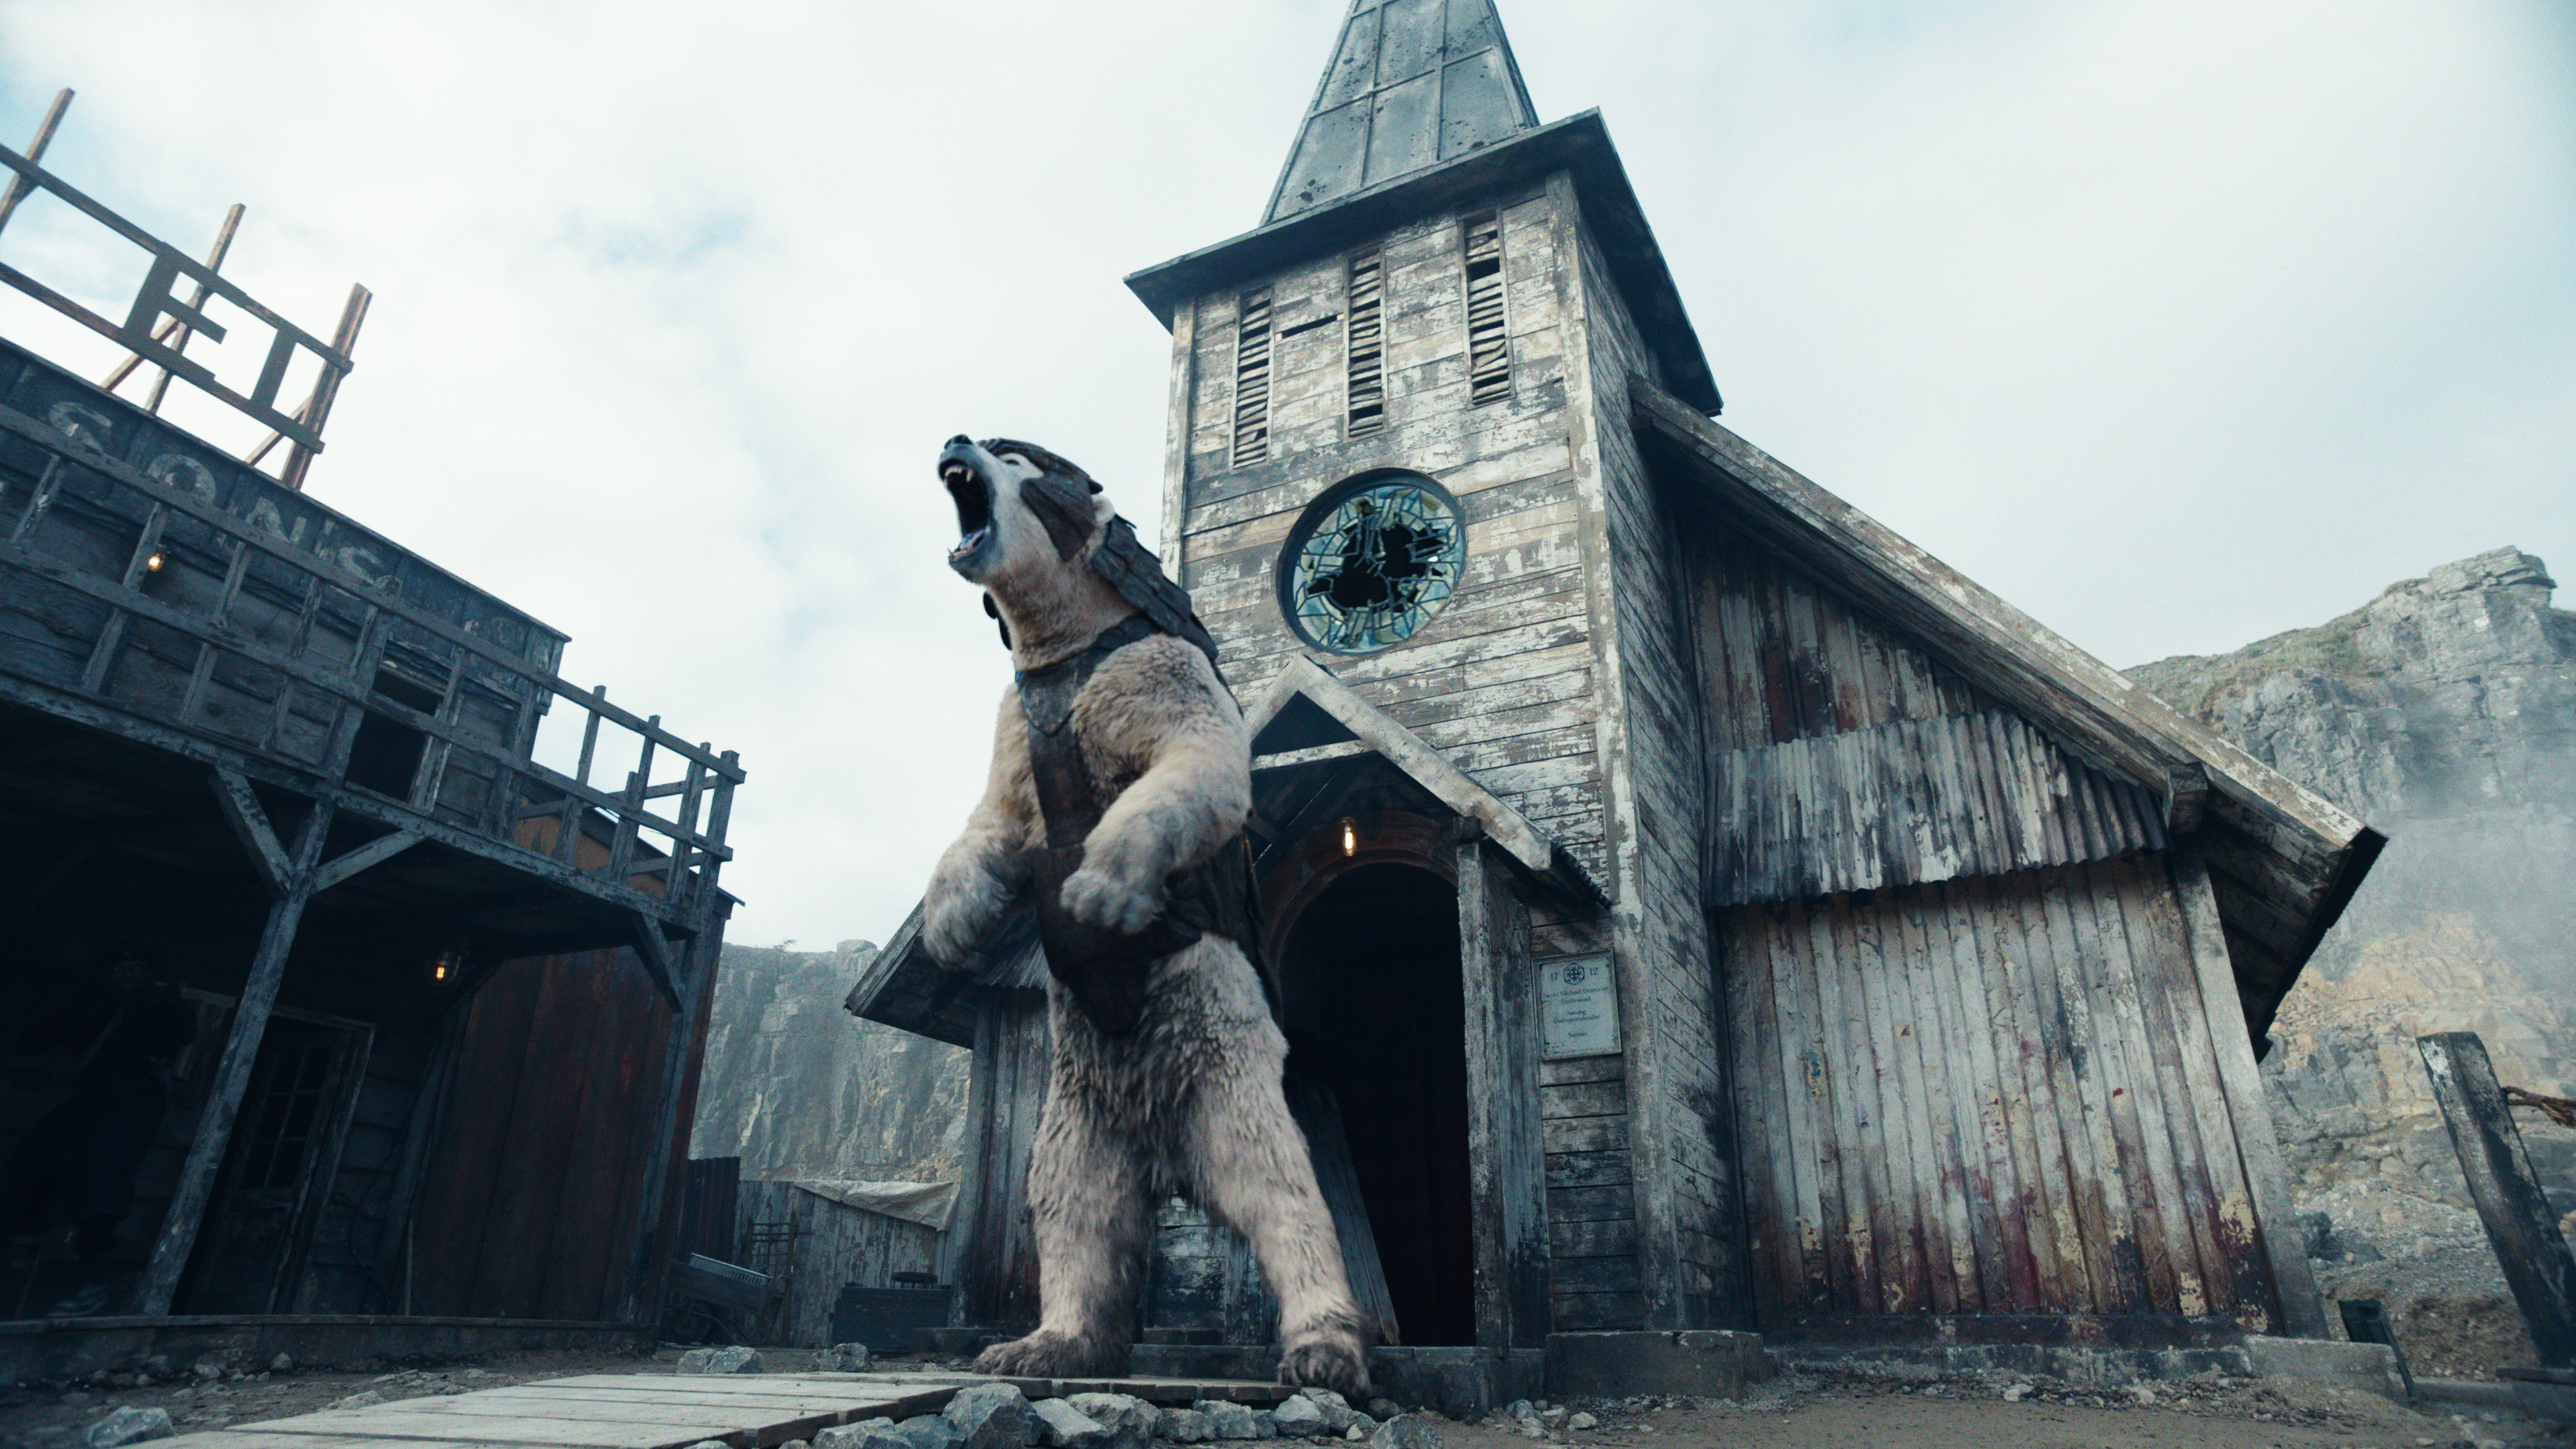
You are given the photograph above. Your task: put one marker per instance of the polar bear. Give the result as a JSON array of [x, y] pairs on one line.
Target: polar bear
[[1115, 808]]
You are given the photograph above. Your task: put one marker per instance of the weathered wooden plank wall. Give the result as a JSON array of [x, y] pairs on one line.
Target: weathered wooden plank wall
[[1912, 801], [1690, 1256], [1988, 1095], [835, 1244], [546, 1142], [991, 1254], [1500, 680]]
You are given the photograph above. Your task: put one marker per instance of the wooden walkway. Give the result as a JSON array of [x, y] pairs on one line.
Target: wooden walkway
[[667, 1411]]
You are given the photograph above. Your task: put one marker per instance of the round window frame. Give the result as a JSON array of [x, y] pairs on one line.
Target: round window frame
[[1325, 505]]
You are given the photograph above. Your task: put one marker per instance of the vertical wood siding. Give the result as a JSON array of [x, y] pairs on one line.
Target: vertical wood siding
[[836, 1244], [992, 1249], [1987, 1095], [1689, 1248], [1911, 801]]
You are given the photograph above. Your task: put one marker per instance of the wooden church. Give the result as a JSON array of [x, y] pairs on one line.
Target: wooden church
[[1697, 907]]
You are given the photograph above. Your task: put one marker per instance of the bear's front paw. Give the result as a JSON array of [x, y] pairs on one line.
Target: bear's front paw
[[1049, 1355], [1328, 1357], [1097, 899], [961, 908]]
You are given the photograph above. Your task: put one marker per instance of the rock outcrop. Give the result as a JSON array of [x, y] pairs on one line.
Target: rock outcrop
[[2444, 713], [798, 1088]]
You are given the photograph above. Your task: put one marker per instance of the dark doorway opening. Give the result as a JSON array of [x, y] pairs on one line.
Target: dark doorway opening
[[1371, 969]]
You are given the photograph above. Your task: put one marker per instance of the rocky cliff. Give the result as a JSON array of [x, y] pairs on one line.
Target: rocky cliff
[[798, 1088], [2444, 713]]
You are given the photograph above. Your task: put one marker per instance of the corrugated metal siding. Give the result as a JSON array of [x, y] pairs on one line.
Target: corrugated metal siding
[[1987, 1095], [1909, 802]]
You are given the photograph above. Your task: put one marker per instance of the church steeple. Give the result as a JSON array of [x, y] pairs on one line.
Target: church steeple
[[1412, 83]]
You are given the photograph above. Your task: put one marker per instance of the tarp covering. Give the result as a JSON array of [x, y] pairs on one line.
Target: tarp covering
[[926, 1203]]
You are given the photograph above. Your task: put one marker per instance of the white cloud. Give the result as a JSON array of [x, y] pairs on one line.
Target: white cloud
[[2176, 325]]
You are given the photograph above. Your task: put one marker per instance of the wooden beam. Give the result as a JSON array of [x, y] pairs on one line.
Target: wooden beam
[[2258, 1146], [374, 852], [695, 974], [242, 811], [655, 953], [1506, 1182], [2520, 1223], [232, 1074]]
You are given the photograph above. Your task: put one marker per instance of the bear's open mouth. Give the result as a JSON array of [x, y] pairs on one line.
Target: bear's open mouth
[[973, 496]]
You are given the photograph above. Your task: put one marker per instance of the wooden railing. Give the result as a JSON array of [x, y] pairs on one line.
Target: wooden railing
[[210, 610]]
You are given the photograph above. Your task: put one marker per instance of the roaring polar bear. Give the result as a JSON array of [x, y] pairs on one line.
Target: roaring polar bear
[[1120, 782]]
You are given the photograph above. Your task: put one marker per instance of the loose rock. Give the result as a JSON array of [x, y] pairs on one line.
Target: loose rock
[[126, 1426], [843, 1358], [1297, 1417], [1406, 1431], [865, 1434], [733, 1359], [1062, 1425], [990, 1416], [1338, 1413], [1183, 1426], [1229, 1420], [363, 1398], [1582, 1421], [1129, 1420]]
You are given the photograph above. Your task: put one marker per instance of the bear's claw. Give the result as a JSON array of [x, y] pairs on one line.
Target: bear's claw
[[1331, 1359], [1097, 898], [1047, 1355]]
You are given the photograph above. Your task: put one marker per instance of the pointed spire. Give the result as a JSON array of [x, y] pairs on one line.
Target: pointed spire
[[1412, 83]]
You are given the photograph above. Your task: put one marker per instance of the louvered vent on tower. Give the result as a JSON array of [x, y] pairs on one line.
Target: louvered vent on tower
[[1252, 379], [1489, 351], [1366, 351]]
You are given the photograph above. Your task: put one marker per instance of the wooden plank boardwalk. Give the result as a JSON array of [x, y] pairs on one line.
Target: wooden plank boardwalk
[[667, 1411]]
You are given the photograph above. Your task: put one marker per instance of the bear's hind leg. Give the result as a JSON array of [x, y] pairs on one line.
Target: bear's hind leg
[[1249, 1167], [1087, 1198]]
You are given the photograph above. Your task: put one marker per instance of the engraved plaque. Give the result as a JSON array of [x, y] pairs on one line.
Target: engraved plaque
[[1578, 1008]]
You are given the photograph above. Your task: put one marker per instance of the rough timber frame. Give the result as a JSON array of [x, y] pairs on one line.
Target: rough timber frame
[[655, 875]]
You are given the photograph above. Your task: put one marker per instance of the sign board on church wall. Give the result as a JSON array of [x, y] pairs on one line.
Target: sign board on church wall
[[1578, 1008]]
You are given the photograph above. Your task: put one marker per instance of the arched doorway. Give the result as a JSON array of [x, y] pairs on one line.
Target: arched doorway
[[1375, 1010]]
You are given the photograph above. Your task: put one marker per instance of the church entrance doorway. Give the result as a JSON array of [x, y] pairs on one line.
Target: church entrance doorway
[[1376, 1014]]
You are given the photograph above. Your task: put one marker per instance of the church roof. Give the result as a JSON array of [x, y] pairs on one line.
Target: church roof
[[2283, 861], [1411, 83]]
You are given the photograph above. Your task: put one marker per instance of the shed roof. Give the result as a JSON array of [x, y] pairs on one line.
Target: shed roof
[[2283, 860]]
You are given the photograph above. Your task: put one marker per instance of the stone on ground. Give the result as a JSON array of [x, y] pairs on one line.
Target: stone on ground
[[1230, 1420], [1407, 1431], [364, 1398], [843, 1358], [126, 1426], [732, 1359], [865, 1434], [1338, 1413], [1298, 1417], [989, 1416], [1129, 1420], [1063, 1426], [1183, 1426]]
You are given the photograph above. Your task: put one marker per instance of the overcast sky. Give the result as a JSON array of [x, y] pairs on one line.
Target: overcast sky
[[2176, 325]]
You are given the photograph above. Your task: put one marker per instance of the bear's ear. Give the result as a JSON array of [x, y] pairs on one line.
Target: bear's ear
[[993, 612]]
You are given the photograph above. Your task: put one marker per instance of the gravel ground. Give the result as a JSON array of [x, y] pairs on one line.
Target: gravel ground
[[1802, 1408]]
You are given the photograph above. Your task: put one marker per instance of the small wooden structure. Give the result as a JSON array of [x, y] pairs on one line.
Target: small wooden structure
[[449, 995], [1713, 912]]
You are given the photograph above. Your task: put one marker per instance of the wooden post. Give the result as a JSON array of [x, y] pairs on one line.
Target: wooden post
[[1506, 1190], [2520, 1224], [232, 1075], [2258, 1146], [695, 971]]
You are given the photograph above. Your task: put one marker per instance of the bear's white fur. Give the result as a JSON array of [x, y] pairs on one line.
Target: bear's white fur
[[1188, 1101]]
